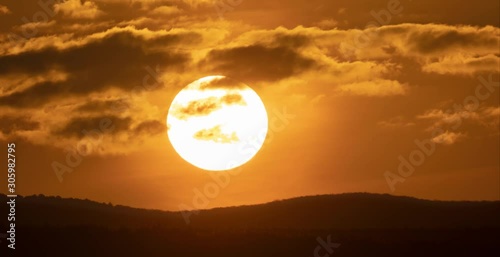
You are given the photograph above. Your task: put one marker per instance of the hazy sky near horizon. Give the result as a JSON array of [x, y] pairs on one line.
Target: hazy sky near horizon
[[349, 87]]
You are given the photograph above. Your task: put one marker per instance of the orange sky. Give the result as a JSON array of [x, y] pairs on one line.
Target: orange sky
[[349, 86]]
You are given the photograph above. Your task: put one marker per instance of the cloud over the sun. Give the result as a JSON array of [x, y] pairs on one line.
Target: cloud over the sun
[[206, 106], [216, 135]]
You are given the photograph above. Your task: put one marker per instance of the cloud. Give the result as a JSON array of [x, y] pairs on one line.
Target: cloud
[[115, 61], [491, 118], [203, 107], [355, 13], [114, 105], [78, 9], [448, 138], [327, 24], [396, 122], [149, 39], [4, 10], [201, 2], [76, 66], [233, 98], [454, 118], [150, 127], [434, 48], [215, 134], [18, 82], [257, 62], [11, 124], [377, 87], [449, 116], [221, 83], [80, 127], [439, 39], [37, 26], [438, 48], [412, 40], [467, 65], [34, 96], [491, 112], [166, 10], [442, 117]]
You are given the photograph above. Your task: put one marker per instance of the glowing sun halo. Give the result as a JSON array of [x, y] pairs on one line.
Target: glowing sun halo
[[216, 123]]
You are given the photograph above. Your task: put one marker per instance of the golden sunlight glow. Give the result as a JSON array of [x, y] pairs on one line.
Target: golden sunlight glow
[[216, 123]]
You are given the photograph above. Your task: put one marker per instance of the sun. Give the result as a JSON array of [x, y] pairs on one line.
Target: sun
[[216, 123]]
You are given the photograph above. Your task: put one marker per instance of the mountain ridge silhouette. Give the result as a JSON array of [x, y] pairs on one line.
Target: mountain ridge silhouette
[[360, 224], [339, 211]]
